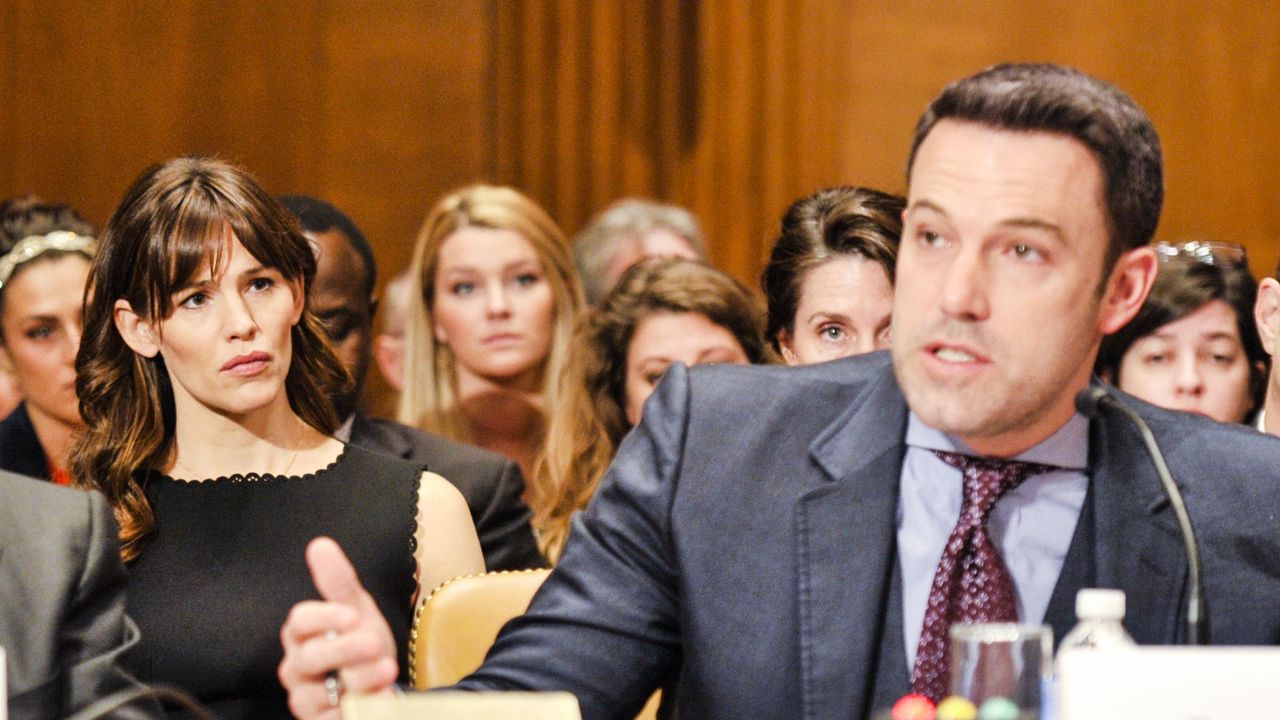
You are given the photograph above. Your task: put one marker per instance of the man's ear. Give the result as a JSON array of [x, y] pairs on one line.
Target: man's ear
[[1127, 289], [138, 334], [1266, 313]]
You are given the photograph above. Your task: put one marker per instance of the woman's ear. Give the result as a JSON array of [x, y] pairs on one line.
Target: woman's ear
[[785, 344], [299, 292], [138, 334]]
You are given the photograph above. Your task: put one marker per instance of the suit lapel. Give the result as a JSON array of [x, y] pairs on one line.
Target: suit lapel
[[367, 434], [846, 527], [1137, 545]]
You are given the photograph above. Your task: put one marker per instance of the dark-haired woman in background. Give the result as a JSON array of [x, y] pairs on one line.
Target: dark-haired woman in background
[[660, 312], [205, 383], [1193, 345], [829, 281], [45, 250]]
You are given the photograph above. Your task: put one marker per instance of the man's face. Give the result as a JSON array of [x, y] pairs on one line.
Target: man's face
[[996, 316], [338, 300]]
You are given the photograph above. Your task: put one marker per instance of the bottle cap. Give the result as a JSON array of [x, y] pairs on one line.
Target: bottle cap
[[1098, 604]]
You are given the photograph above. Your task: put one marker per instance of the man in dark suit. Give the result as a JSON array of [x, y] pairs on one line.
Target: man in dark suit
[[779, 542], [343, 299], [62, 591]]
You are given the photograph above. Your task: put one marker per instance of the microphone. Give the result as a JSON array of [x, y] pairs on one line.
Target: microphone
[[1091, 402]]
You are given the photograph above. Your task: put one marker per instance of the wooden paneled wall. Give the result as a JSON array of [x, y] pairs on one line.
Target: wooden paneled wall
[[734, 108], [731, 107]]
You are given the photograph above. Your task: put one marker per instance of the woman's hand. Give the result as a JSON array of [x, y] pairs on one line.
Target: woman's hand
[[344, 633]]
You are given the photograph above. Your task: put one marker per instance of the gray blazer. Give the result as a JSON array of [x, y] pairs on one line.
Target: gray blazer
[[741, 548], [491, 484], [62, 592]]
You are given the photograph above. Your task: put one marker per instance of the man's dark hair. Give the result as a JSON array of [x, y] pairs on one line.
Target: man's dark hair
[[317, 216], [1057, 99]]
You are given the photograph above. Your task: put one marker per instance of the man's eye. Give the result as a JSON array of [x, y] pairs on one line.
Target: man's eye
[[1022, 251]]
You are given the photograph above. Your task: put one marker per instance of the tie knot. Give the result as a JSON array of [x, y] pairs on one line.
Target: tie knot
[[987, 479]]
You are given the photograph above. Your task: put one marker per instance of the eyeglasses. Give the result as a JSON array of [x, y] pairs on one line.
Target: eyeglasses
[[1209, 252]]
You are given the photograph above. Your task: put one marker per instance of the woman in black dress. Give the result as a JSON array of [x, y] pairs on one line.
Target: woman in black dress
[[204, 384]]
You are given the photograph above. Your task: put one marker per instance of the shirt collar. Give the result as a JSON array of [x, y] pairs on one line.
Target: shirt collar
[[1068, 448]]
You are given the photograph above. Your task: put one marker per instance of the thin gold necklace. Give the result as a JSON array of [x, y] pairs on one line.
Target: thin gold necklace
[[177, 461]]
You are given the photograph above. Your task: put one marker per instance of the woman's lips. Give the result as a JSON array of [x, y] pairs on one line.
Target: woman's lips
[[247, 364]]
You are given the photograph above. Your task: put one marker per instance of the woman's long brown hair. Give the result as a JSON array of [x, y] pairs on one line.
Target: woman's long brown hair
[[171, 220]]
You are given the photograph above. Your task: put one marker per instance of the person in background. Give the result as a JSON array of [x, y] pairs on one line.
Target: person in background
[[494, 298], [627, 232], [1193, 346], [343, 299], [661, 311], [45, 251], [205, 383], [388, 344], [829, 281]]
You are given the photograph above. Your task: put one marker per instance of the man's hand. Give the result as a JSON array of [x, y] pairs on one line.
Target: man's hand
[[344, 632]]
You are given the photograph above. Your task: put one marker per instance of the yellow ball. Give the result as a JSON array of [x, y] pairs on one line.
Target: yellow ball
[[956, 708]]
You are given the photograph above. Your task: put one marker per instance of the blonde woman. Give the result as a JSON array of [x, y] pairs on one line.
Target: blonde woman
[[494, 297]]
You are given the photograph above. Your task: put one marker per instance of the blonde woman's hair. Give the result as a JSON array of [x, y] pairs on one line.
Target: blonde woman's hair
[[590, 419], [429, 399]]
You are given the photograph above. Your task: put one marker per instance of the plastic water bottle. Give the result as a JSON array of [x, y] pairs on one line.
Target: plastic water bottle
[[1099, 627], [1099, 616]]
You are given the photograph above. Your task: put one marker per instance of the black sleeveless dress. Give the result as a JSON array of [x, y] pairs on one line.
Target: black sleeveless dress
[[225, 564]]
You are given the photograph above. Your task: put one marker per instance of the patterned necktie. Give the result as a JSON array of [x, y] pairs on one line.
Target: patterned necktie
[[971, 584]]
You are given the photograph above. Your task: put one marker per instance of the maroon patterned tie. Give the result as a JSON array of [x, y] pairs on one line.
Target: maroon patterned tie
[[972, 584]]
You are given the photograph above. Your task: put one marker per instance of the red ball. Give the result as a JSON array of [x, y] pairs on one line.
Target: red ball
[[913, 707]]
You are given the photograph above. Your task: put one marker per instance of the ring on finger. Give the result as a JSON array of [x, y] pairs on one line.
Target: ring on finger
[[333, 688]]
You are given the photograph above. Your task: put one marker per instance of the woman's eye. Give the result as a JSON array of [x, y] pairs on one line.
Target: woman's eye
[[196, 300], [526, 279], [462, 288], [832, 333], [261, 284], [40, 332], [1156, 359]]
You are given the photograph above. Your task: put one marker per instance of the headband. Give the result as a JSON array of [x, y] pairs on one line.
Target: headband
[[33, 246]]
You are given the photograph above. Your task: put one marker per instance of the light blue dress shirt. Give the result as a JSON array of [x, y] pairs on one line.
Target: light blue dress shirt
[[1032, 525]]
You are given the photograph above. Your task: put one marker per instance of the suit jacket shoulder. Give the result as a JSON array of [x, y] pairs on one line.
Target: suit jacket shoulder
[[491, 484], [62, 592]]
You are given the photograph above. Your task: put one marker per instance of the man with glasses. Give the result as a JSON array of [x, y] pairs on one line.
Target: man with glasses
[[796, 542]]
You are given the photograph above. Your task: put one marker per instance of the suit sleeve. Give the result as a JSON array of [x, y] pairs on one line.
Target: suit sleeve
[[96, 633], [502, 523], [605, 625]]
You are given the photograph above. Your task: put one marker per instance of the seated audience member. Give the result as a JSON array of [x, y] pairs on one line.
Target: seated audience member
[[388, 344], [660, 312], [627, 232], [342, 298], [797, 542], [205, 383], [1266, 314], [494, 298], [1193, 345], [45, 250], [62, 596], [829, 281]]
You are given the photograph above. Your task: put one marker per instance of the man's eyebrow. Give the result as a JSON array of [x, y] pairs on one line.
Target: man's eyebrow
[[1033, 224], [925, 204]]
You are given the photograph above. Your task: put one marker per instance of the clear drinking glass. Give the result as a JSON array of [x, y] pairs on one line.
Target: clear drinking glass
[[1001, 660]]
